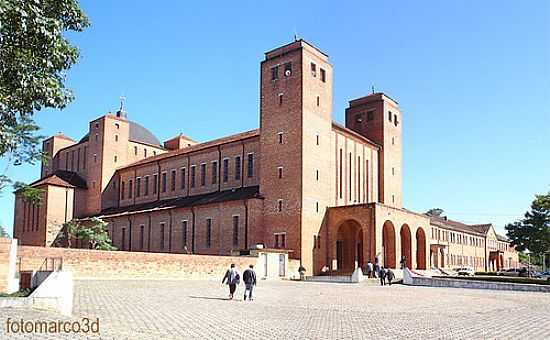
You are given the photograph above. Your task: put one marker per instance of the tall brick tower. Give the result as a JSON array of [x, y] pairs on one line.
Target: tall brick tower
[[295, 130], [378, 118]]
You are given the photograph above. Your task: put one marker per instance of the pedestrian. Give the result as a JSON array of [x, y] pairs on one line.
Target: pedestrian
[[390, 276], [249, 279], [403, 262], [232, 279], [369, 269], [382, 276], [376, 267]]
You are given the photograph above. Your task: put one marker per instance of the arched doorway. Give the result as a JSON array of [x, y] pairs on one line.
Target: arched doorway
[[388, 244], [406, 246], [420, 249], [349, 247]]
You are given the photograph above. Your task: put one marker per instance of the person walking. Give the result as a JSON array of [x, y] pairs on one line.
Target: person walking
[[382, 276], [376, 268], [390, 276], [369, 269], [249, 279], [232, 279]]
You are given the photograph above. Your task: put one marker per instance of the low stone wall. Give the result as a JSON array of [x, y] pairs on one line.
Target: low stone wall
[[414, 280], [8, 282], [96, 264]]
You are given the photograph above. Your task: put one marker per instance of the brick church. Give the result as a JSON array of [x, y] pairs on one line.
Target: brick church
[[328, 193]]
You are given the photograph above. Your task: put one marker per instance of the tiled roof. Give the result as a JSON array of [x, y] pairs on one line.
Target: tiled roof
[[137, 134], [183, 202], [197, 147], [478, 229], [62, 178]]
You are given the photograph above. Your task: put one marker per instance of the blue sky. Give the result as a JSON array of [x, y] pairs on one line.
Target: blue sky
[[472, 79]]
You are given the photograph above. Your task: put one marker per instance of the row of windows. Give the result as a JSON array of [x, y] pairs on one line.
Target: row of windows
[[136, 151], [460, 260], [183, 175], [457, 238], [288, 71], [30, 216], [183, 244], [361, 194], [75, 159]]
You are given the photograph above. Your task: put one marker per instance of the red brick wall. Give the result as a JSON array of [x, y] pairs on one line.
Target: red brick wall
[[133, 265]]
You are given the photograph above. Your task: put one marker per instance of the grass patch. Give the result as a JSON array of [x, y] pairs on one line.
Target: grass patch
[[21, 293], [506, 279]]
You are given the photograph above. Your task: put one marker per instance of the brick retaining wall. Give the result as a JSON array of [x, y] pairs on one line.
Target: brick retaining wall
[[134, 265]]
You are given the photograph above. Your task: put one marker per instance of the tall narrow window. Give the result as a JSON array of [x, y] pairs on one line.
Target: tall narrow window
[[390, 116], [340, 174], [225, 170], [141, 236], [135, 150], [162, 236], [122, 190], [72, 161], [280, 205], [214, 172], [85, 156], [144, 153], [313, 69], [183, 234], [316, 206], [280, 172], [238, 168], [235, 231], [250, 167], [116, 158], [146, 185], [183, 177], [323, 75], [203, 174], [317, 175], [317, 139], [349, 174], [123, 240], [138, 187], [281, 99], [275, 73], [318, 101], [130, 188], [163, 185], [116, 138], [208, 232], [173, 181], [367, 180], [280, 137], [193, 175], [358, 176], [155, 183]]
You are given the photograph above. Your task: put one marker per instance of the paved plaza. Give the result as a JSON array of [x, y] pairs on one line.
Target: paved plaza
[[298, 310]]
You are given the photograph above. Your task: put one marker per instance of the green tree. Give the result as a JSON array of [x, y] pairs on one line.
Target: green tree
[[95, 233], [3, 232], [436, 212], [533, 231], [68, 233], [34, 55]]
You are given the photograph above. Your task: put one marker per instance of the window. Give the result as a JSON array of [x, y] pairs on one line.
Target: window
[[130, 188], [163, 185], [135, 150], [155, 183], [393, 171], [280, 172], [96, 137], [313, 69], [138, 187], [193, 173], [117, 126], [173, 181], [317, 175], [162, 235], [323, 75], [395, 120], [203, 174], [340, 174], [84, 157], [393, 141], [235, 231], [280, 99], [288, 69], [214, 172], [349, 178], [141, 236], [144, 153], [78, 159], [318, 101], [208, 232], [280, 137], [370, 115], [225, 170], [393, 198], [238, 168], [97, 125], [183, 234], [275, 73], [122, 190], [279, 205], [390, 116], [146, 185], [280, 240], [116, 158], [116, 138], [123, 240], [250, 167], [317, 139], [182, 175], [72, 160], [316, 206]]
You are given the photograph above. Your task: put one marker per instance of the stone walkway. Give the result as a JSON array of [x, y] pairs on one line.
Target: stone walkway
[[297, 310]]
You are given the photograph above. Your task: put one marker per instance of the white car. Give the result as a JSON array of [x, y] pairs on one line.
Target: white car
[[466, 271]]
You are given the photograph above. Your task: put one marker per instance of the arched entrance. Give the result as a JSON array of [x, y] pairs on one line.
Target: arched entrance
[[388, 244], [405, 234], [349, 247], [420, 249]]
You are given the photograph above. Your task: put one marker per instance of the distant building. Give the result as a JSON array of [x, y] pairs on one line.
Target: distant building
[[331, 194]]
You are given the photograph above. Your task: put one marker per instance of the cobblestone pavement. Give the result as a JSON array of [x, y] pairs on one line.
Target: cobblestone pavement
[[297, 310]]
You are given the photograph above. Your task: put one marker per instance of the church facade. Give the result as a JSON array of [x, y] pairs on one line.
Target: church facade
[[330, 194]]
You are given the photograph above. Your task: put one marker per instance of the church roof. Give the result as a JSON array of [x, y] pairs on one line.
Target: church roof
[[444, 222], [138, 134], [62, 178]]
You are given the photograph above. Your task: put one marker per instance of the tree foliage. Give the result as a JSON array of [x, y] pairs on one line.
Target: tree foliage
[[95, 233], [533, 231], [34, 55]]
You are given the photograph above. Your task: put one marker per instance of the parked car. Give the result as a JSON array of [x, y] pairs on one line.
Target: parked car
[[466, 271], [509, 272], [544, 276]]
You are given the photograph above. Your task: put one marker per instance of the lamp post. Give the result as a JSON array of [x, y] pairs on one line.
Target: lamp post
[[528, 252]]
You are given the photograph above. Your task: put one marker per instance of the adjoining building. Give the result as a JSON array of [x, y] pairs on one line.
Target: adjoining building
[[330, 194]]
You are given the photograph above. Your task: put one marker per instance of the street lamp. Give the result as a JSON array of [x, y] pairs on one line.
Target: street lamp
[[528, 252]]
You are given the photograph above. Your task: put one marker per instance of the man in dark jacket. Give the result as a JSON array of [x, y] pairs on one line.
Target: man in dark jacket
[[249, 278], [390, 276], [382, 275], [232, 277]]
